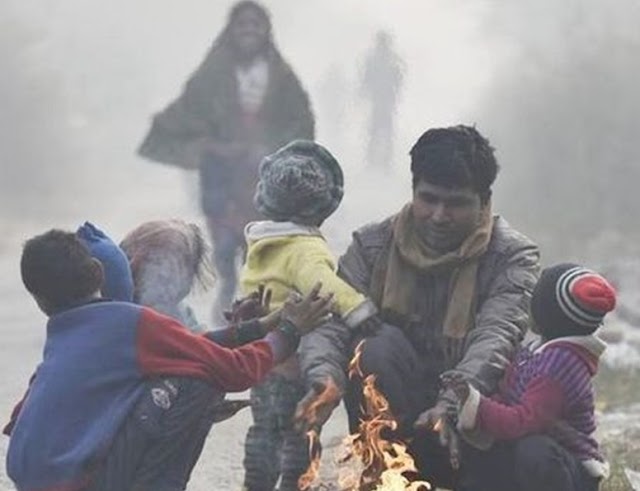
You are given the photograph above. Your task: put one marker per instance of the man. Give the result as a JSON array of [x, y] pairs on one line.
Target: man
[[125, 397], [452, 283], [381, 83]]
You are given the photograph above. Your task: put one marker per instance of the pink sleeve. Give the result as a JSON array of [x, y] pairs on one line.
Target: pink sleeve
[[541, 404]]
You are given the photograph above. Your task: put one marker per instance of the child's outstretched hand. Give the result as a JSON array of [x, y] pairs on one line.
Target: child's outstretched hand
[[458, 384], [253, 306], [307, 312]]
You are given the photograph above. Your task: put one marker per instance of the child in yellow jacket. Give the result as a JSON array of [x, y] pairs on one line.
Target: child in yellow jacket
[[299, 187]]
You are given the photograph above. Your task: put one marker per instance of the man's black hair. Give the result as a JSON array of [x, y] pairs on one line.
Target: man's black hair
[[58, 269], [455, 157]]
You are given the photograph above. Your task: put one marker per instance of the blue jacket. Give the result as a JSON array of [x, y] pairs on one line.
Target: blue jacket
[[96, 359]]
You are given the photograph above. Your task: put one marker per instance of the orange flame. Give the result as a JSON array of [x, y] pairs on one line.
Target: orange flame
[[306, 480], [354, 364], [376, 464], [384, 462]]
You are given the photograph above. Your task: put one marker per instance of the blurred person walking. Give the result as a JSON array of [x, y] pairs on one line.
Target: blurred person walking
[[243, 102], [380, 85]]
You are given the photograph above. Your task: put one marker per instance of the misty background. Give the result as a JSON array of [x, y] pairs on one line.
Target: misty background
[[552, 84]]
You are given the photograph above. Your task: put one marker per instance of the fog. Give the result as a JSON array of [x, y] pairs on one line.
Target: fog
[[82, 79], [563, 112], [551, 83]]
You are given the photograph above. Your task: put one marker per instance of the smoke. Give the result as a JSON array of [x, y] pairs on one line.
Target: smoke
[[563, 115], [34, 150]]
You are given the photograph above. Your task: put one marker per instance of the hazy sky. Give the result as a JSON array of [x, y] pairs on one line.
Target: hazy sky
[[545, 80], [107, 66]]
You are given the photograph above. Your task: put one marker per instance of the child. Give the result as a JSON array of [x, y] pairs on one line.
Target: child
[[168, 258], [542, 417], [123, 396], [299, 187]]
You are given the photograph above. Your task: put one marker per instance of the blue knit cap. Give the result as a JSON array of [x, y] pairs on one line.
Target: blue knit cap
[[301, 183], [118, 282]]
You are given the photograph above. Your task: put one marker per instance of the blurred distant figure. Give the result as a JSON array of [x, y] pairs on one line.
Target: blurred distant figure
[[381, 83], [242, 103]]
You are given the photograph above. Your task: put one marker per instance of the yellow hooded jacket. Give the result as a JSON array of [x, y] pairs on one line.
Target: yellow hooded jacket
[[285, 257]]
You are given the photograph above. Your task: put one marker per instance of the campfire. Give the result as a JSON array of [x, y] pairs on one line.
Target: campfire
[[369, 461]]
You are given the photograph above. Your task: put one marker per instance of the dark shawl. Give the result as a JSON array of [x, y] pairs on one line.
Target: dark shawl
[[209, 107]]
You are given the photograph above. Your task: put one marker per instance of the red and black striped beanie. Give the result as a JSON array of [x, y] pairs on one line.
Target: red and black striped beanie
[[570, 300]]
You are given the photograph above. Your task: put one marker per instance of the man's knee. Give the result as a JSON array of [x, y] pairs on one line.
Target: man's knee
[[387, 351], [534, 452]]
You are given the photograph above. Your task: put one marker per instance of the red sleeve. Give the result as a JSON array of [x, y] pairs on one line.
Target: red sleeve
[[165, 347], [541, 404]]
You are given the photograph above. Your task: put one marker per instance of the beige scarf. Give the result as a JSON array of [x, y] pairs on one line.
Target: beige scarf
[[406, 257]]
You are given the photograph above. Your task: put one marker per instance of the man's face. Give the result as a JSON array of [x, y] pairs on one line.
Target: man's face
[[249, 32], [445, 217]]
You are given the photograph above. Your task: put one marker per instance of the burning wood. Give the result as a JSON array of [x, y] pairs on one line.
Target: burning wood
[[375, 462]]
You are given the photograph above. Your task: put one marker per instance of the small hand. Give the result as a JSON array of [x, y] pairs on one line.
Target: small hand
[[308, 312], [255, 305]]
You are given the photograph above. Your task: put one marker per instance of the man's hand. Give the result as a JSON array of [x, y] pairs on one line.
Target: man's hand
[[308, 312], [315, 408], [435, 419], [432, 418], [458, 384]]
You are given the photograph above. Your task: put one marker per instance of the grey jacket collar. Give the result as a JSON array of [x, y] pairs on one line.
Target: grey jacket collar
[[267, 229]]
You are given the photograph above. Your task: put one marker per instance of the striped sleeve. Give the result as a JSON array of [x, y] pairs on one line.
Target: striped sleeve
[[568, 369], [560, 379]]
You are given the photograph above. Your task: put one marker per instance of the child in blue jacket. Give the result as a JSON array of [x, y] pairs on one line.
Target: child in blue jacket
[[123, 393]]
